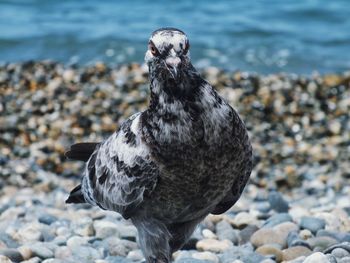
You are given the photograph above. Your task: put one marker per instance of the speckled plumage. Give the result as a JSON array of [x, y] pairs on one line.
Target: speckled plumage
[[168, 167]]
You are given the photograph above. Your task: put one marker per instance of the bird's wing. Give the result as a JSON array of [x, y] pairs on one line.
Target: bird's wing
[[121, 172], [243, 168], [81, 151]]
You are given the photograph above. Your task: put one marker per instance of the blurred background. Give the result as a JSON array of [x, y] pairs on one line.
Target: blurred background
[[263, 36]]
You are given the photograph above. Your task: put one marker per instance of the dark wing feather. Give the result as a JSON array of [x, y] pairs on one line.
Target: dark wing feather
[[122, 173], [81, 151]]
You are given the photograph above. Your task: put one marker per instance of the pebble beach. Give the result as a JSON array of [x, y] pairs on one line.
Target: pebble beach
[[296, 207]]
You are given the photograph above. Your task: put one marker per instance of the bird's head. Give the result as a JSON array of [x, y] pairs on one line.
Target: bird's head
[[168, 52]]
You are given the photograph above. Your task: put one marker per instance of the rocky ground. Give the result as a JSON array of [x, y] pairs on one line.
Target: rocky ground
[[295, 209]]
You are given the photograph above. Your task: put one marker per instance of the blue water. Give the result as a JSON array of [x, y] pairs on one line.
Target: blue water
[[264, 36]]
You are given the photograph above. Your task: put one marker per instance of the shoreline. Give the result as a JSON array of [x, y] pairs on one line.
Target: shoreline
[[296, 203]]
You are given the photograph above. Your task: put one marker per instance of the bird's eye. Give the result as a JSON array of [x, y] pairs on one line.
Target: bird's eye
[[187, 47], [152, 48]]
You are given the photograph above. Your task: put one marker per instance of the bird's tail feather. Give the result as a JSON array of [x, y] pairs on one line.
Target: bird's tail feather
[[76, 196], [81, 151]]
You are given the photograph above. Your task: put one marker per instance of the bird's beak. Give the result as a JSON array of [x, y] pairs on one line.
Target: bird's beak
[[172, 62]]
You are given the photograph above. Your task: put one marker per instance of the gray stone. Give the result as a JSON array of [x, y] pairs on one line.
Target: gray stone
[[246, 233], [42, 251], [224, 230], [331, 258], [114, 259], [242, 253], [86, 254], [321, 242], [312, 223], [344, 260], [12, 254], [340, 252], [293, 240], [263, 206], [317, 257], [277, 202], [277, 219], [47, 219], [191, 260]]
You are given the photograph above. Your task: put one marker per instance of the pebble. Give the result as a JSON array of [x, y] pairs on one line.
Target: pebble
[[213, 245], [224, 230], [277, 202], [42, 251], [105, 229], [76, 241], [277, 219], [47, 219], [340, 252], [266, 236], [270, 250], [317, 257], [209, 256], [313, 224], [321, 242], [295, 252], [4, 259], [12, 254]]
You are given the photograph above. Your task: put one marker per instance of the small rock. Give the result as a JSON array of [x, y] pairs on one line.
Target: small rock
[[84, 227], [312, 223], [278, 203], [47, 219], [135, 255], [29, 234], [284, 229], [4, 259], [32, 260], [190, 260], [305, 234], [321, 242], [243, 219], [206, 256], [266, 236], [213, 245], [12, 254], [105, 229], [208, 234], [224, 230], [63, 252], [41, 251], [340, 252], [76, 241], [26, 252], [241, 253], [120, 247], [317, 257], [277, 219], [246, 233], [86, 254], [295, 252], [270, 250], [344, 260]]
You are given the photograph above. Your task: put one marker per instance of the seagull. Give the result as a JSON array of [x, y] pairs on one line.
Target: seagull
[[166, 168]]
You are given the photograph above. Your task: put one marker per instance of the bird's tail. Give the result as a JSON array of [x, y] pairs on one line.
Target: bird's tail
[[76, 196], [81, 151]]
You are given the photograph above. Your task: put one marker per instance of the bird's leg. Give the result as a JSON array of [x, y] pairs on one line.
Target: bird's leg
[[153, 239]]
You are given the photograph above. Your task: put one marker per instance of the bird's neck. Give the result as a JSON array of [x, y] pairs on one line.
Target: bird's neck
[[174, 108]]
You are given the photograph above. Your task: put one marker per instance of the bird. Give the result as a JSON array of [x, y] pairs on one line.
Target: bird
[[166, 168]]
